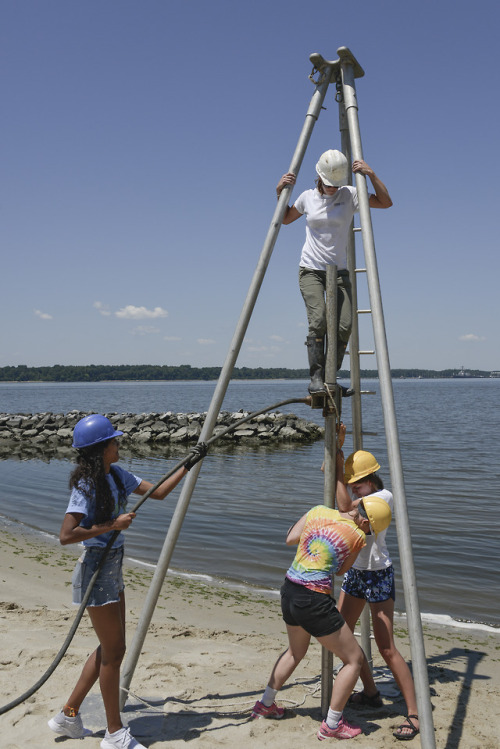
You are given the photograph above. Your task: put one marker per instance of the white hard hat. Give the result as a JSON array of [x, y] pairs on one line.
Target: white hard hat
[[332, 168]]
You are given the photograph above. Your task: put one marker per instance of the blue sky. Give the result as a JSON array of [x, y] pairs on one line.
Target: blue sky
[[142, 142]]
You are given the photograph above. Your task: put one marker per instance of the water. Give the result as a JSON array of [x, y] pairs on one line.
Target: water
[[246, 498]]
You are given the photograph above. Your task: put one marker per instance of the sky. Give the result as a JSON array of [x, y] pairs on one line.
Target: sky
[[142, 142]]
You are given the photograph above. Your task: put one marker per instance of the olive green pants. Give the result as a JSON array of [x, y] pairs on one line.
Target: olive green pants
[[312, 285]]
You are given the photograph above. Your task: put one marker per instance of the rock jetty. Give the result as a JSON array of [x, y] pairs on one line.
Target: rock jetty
[[155, 429]]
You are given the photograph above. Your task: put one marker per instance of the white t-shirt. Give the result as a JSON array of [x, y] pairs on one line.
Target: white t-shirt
[[375, 555], [328, 219]]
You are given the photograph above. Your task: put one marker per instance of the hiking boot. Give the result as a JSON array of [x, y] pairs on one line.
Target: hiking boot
[[344, 730], [261, 711], [71, 727], [121, 739]]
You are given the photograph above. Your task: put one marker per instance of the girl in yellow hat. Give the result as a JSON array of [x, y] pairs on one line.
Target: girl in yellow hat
[[371, 579]]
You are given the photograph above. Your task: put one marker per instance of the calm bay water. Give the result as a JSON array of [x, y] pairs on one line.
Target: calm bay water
[[246, 498]]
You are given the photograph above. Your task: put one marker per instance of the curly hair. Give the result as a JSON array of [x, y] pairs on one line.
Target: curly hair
[[89, 477]]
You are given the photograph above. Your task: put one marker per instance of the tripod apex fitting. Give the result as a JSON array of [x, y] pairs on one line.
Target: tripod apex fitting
[[345, 56]]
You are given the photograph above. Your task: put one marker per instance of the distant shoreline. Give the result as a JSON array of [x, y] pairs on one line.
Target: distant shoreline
[[186, 373]]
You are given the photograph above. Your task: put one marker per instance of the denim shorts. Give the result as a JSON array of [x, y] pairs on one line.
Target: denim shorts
[[374, 586], [314, 612], [109, 582]]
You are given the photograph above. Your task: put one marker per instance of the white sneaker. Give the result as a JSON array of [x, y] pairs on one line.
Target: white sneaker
[[71, 727], [121, 739]]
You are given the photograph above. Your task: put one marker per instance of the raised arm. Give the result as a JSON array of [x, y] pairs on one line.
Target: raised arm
[[344, 501], [381, 199], [348, 563], [164, 488], [295, 531], [291, 213], [198, 452]]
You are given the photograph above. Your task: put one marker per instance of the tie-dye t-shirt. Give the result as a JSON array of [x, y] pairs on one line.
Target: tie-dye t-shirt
[[324, 545]]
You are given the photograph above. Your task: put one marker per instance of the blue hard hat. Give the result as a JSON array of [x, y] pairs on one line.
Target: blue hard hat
[[93, 429]]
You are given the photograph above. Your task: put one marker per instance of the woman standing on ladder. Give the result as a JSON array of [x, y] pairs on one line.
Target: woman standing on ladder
[[329, 209], [371, 579], [97, 508]]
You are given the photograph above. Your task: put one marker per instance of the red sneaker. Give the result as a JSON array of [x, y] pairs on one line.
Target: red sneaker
[[261, 711], [344, 730]]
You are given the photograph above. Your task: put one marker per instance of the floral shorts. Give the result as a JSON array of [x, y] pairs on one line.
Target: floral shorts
[[374, 586], [109, 582]]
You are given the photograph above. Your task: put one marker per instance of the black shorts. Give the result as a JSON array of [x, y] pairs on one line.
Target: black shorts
[[314, 612]]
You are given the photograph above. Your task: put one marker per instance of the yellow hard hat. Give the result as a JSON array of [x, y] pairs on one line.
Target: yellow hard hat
[[358, 465], [378, 511]]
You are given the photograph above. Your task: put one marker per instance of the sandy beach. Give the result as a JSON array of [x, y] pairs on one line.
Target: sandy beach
[[206, 660]]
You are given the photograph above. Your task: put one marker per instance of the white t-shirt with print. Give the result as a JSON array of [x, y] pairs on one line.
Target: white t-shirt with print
[[328, 219]]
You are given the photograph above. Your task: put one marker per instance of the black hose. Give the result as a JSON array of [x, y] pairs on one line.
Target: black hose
[[144, 497]]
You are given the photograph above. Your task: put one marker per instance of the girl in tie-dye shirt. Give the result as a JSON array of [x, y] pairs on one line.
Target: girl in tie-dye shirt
[[328, 543], [328, 539]]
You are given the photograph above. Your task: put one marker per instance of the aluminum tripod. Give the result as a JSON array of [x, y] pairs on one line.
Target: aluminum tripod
[[342, 73]]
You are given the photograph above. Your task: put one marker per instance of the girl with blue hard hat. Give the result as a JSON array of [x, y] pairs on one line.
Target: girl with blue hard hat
[[96, 509]]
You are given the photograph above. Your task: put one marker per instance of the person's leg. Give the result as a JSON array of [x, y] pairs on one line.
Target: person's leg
[[88, 678], [342, 643], [351, 609], [298, 643], [383, 631], [109, 625], [344, 316], [312, 287]]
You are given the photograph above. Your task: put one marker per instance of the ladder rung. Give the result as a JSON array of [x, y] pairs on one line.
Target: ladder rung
[[360, 270], [357, 228], [364, 311], [366, 352], [368, 392], [369, 434]]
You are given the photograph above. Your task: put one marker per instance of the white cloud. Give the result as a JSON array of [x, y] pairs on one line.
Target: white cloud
[[130, 312], [472, 337], [103, 309], [144, 330], [206, 341], [171, 338], [276, 338], [257, 349], [42, 315]]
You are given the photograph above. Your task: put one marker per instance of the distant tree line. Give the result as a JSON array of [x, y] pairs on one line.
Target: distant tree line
[[151, 372]]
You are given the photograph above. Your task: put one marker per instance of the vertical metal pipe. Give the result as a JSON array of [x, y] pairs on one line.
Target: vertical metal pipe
[[330, 449], [402, 521], [330, 379], [354, 347], [162, 566]]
